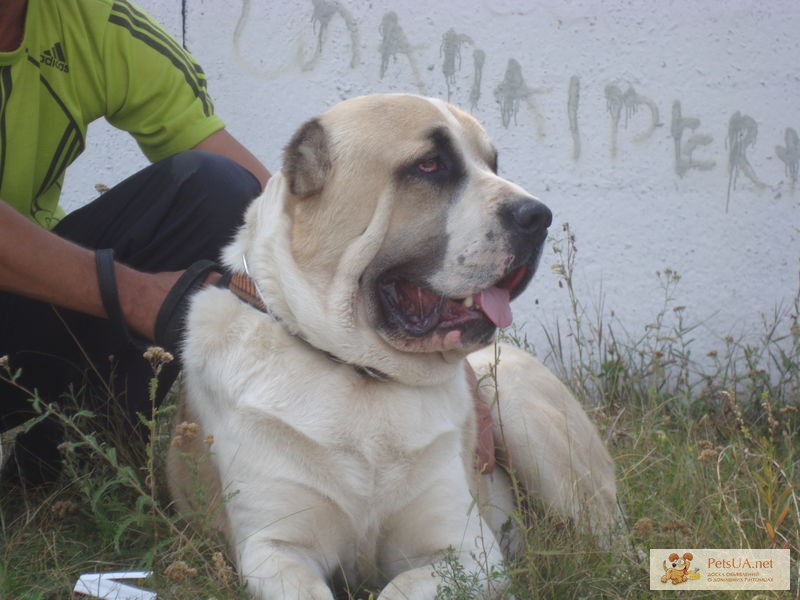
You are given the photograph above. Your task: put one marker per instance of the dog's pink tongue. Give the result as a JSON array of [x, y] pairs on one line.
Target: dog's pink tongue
[[496, 304]]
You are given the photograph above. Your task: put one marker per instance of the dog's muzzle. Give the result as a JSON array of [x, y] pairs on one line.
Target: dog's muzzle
[[414, 310]]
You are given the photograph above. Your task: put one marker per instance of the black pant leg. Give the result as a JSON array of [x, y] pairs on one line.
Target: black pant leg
[[166, 217]]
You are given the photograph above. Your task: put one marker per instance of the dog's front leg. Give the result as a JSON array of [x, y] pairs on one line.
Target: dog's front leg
[[275, 572], [431, 531], [417, 584], [423, 583]]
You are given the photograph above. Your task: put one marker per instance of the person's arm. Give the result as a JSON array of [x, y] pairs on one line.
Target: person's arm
[[222, 142], [38, 264]]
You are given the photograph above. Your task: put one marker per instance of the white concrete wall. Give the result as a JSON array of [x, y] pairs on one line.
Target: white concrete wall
[[595, 108]]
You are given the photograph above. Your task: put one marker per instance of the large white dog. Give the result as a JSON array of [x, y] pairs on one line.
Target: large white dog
[[330, 367]]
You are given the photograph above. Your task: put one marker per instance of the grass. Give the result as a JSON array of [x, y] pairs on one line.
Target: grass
[[706, 450]]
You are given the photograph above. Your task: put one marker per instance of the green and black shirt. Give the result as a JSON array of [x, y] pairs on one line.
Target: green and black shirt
[[81, 60]]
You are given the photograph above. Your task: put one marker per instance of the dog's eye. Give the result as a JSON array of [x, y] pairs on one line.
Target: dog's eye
[[430, 165]]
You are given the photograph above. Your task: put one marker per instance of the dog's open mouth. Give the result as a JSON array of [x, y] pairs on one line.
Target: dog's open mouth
[[419, 311]]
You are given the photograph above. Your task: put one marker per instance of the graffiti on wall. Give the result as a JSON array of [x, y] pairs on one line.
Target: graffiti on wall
[[684, 150], [790, 154], [573, 99], [478, 60], [627, 103], [742, 134], [394, 42], [514, 92], [450, 52], [324, 12]]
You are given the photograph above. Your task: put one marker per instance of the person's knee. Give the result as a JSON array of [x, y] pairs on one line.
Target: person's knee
[[211, 199], [217, 186]]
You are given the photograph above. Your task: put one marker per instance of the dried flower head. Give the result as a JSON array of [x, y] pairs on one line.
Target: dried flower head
[[224, 572], [187, 430], [676, 525], [62, 508], [179, 571], [218, 559], [729, 398], [708, 454], [157, 356], [643, 527]]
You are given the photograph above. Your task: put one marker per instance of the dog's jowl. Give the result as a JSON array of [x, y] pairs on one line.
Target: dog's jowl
[[330, 366]]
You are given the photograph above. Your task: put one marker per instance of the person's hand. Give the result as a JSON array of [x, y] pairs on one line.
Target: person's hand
[[170, 323], [38, 264], [141, 296], [484, 449]]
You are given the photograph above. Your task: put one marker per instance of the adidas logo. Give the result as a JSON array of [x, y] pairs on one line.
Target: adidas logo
[[55, 57]]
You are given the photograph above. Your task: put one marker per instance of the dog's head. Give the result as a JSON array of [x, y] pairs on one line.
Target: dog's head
[[390, 236]]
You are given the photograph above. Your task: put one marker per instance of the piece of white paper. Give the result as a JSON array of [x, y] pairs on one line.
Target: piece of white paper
[[112, 586]]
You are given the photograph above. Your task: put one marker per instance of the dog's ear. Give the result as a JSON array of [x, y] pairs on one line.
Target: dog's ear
[[306, 160]]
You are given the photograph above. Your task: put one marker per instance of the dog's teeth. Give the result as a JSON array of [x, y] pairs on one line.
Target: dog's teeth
[[468, 302]]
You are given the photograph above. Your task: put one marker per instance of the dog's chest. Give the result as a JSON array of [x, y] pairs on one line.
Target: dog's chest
[[296, 433], [359, 440], [382, 423], [391, 438]]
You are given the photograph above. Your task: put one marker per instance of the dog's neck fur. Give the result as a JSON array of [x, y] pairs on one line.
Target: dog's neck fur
[[244, 287], [325, 319]]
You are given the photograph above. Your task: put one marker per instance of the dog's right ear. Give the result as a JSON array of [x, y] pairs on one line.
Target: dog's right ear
[[306, 160]]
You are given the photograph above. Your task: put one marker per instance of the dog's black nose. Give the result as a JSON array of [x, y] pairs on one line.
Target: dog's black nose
[[527, 216]]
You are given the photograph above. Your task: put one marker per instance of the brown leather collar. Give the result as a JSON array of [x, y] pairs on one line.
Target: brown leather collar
[[245, 288]]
